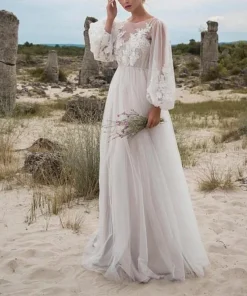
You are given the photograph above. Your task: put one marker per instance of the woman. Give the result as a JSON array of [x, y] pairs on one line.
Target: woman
[[147, 227]]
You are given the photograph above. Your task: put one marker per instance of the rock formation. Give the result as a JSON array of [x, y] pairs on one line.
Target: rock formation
[[9, 25], [209, 48], [45, 162], [52, 70], [94, 73], [89, 66]]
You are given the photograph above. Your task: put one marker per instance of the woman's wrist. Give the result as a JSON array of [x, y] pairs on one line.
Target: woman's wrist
[[108, 24]]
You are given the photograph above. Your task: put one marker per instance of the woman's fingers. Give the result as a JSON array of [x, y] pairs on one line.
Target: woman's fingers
[[152, 124]]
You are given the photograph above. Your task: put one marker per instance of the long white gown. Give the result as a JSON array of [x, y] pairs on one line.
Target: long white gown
[[147, 226]]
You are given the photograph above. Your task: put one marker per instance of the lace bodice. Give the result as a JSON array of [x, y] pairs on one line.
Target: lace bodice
[[143, 45]]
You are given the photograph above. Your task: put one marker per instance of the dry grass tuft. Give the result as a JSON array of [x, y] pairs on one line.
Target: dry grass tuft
[[82, 158], [212, 179], [72, 221], [186, 152], [8, 161], [80, 177]]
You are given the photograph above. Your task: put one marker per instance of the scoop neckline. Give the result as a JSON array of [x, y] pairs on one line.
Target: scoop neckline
[[141, 21]]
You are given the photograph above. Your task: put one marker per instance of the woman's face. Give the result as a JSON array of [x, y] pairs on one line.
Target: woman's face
[[130, 5]]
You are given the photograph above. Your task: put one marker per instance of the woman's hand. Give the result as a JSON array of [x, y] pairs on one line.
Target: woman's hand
[[111, 9], [153, 117]]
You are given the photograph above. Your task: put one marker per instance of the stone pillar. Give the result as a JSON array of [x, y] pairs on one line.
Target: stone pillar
[[209, 48], [9, 25], [52, 69], [89, 65]]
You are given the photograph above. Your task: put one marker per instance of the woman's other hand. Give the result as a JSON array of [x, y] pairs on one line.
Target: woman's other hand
[[153, 117], [111, 9]]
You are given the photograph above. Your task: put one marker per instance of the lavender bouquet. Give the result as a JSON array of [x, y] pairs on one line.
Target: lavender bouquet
[[128, 125]]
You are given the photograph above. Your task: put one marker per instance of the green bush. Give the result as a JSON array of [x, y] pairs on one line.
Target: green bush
[[62, 76], [193, 64], [215, 72], [235, 71], [38, 49]]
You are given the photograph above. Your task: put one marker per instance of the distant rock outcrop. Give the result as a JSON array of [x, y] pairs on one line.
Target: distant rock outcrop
[[94, 73], [209, 48], [9, 25], [52, 70], [89, 66]]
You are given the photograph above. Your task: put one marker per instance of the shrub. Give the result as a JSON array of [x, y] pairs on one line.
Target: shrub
[[212, 178], [214, 73], [193, 64], [235, 71]]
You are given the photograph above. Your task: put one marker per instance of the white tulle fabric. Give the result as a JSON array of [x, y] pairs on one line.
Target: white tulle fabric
[[147, 227]]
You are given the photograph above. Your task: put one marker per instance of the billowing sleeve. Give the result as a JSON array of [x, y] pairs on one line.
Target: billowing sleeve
[[161, 79], [102, 42]]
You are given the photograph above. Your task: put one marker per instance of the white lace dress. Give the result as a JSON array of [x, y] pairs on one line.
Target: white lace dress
[[147, 228]]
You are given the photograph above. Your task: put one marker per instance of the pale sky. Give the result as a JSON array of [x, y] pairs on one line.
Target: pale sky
[[61, 21]]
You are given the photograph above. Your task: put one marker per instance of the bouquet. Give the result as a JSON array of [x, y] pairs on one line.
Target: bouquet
[[128, 124]]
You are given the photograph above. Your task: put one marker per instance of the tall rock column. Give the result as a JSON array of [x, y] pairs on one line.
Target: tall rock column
[[89, 66], [51, 68], [209, 48], [9, 25]]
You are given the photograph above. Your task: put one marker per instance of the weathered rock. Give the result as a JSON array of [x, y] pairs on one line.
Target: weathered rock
[[44, 161], [38, 92], [220, 84], [195, 73], [84, 110], [89, 66], [209, 48], [68, 89], [45, 167], [9, 25], [33, 92], [108, 70], [96, 82], [180, 80], [183, 72], [183, 75], [51, 70], [43, 144], [244, 71]]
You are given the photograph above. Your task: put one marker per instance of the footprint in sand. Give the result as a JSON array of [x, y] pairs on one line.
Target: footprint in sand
[[43, 273], [237, 273]]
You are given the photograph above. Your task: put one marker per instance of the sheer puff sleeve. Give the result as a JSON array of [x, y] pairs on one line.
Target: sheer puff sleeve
[[102, 42], [161, 80]]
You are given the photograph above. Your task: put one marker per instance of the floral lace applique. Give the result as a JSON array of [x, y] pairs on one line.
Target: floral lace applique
[[162, 86], [106, 47], [133, 46]]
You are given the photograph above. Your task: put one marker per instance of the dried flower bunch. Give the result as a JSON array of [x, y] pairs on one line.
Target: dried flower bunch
[[127, 125]]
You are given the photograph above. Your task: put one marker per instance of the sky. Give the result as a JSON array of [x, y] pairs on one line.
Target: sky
[[62, 21]]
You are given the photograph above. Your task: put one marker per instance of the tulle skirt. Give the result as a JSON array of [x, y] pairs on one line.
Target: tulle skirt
[[147, 227]]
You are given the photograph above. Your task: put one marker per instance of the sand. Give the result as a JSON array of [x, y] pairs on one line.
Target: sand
[[39, 261]]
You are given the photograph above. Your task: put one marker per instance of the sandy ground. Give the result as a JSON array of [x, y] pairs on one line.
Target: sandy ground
[[35, 261]]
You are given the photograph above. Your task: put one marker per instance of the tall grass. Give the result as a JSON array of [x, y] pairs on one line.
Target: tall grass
[[186, 152], [80, 176], [82, 158], [8, 162], [237, 131], [213, 178]]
